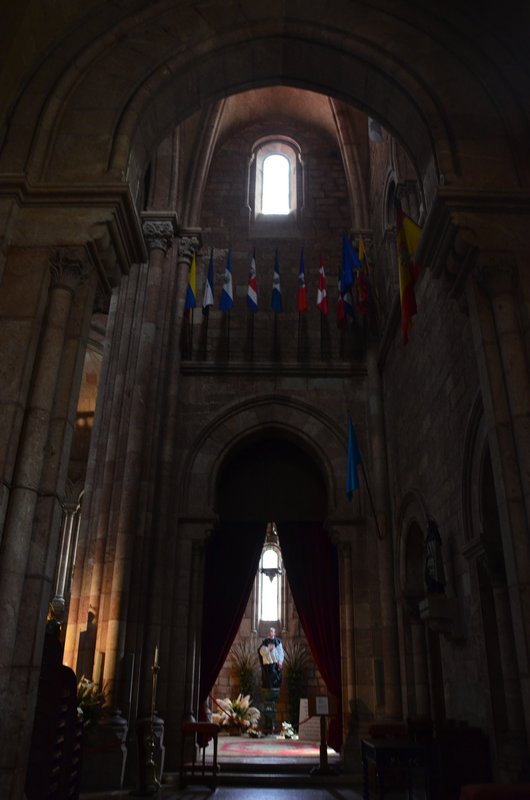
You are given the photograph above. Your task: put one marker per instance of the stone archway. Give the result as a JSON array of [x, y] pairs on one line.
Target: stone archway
[[165, 62], [314, 432], [319, 442], [267, 482]]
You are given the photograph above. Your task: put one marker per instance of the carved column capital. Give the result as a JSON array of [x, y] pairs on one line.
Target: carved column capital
[[189, 242], [496, 273], [159, 229], [69, 268]]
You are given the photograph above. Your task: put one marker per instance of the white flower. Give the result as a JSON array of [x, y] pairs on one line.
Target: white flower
[[238, 712]]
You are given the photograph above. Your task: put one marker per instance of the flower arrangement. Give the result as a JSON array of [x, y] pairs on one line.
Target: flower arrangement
[[237, 713], [90, 699], [288, 730]]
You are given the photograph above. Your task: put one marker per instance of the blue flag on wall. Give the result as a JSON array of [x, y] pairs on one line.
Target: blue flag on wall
[[276, 300], [354, 459], [227, 294]]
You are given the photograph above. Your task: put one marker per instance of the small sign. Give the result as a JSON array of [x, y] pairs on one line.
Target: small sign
[[321, 706], [309, 729]]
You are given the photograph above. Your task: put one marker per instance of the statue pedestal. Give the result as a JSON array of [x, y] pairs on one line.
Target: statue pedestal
[[270, 696]]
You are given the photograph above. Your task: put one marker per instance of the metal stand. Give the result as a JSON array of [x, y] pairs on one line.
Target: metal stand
[[323, 768], [149, 781]]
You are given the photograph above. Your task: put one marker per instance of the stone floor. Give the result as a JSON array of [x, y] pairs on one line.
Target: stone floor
[[239, 793], [272, 767]]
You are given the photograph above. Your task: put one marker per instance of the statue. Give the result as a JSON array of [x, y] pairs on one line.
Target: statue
[[271, 657], [434, 568]]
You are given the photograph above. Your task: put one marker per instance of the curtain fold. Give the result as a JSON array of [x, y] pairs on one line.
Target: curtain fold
[[231, 562], [311, 564]]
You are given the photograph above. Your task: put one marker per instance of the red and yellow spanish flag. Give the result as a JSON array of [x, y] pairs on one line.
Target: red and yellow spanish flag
[[408, 237]]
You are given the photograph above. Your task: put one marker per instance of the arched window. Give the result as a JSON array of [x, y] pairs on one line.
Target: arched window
[[270, 586], [275, 180], [270, 573], [276, 185]]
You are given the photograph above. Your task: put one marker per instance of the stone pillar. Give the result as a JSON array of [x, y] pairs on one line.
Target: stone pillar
[[419, 662], [68, 271], [385, 555], [187, 243], [181, 642], [499, 278], [69, 534], [159, 231], [350, 720], [504, 379], [510, 678]]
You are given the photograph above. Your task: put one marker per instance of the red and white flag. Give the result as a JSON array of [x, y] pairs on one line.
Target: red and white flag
[[301, 302], [322, 296]]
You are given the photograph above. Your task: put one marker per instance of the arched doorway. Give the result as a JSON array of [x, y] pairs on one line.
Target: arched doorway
[[271, 478]]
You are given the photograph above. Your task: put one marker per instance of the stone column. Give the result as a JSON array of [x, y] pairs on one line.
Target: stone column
[[385, 555], [510, 677], [347, 638], [419, 661], [181, 642], [504, 379], [159, 230], [68, 271], [499, 279], [68, 537]]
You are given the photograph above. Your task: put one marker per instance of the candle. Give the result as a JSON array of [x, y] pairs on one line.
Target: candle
[[156, 656]]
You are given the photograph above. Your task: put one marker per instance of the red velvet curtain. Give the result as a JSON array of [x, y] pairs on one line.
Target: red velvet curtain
[[231, 562], [311, 564]]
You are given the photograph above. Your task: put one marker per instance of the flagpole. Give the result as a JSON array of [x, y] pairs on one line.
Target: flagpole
[[299, 334], [252, 336], [228, 335], [191, 335], [379, 534], [369, 491], [206, 336]]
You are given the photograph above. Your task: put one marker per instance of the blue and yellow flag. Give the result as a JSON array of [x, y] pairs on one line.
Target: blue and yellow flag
[[191, 292]]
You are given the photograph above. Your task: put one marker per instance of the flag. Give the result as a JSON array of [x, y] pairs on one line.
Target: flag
[[276, 300], [322, 295], [302, 289], [227, 294], [350, 262], [341, 310], [407, 236], [363, 258], [354, 459], [207, 299], [362, 291], [252, 291], [191, 292]]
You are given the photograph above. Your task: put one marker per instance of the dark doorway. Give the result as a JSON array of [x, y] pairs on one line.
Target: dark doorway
[[271, 479]]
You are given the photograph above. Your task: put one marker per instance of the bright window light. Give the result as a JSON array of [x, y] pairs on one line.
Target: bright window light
[[269, 610], [276, 176]]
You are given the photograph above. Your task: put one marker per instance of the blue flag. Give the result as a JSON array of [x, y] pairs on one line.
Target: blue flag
[[276, 301], [207, 299], [227, 295], [350, 262], [190, 300], [354, 459]]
